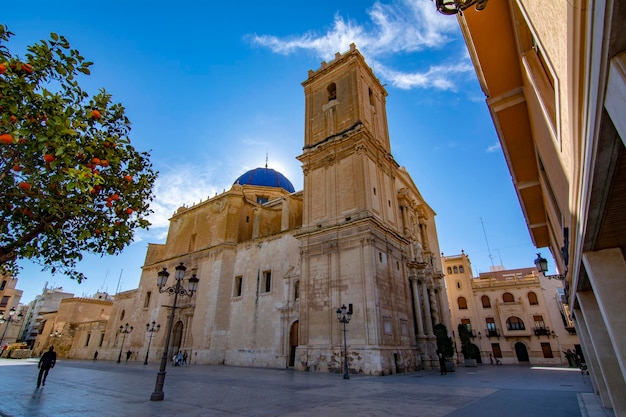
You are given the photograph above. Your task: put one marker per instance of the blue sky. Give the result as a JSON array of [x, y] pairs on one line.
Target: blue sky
[[211, 89]]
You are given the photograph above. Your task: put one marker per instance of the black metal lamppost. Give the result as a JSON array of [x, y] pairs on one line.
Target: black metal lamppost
[[542, 267], [8, 321], [344, 315], [177, 290], [123, 330], [151, 329]]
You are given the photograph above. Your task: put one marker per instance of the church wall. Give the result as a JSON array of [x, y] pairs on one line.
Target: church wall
[[253, 336]]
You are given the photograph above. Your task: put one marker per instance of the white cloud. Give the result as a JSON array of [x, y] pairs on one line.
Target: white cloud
[[180, 186], [400, 27], [494, 148], [441, 77]]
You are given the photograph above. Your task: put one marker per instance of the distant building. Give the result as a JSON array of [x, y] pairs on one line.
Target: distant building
[[515, 315], [34, 320], [10, 299], [76, 329]]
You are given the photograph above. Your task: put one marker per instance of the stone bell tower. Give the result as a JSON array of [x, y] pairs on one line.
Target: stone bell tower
[[353, 243]]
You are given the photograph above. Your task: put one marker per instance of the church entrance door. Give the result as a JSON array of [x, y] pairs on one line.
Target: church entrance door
[[293, 343]]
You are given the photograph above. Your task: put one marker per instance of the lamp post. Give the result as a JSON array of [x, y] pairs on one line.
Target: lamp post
[[542, 267], [151, 329], [344, 315], [177, 290], [123, 330], [8, 321]]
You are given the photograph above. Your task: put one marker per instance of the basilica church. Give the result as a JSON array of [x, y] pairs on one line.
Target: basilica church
[[274, 264]]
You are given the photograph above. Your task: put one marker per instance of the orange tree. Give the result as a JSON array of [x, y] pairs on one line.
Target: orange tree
[[70, 181]]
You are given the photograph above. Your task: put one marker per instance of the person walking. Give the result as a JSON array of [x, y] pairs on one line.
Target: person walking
[[179, 358], [47, 362], [130, 352], [442, 364], [95, 356], [185, 358]]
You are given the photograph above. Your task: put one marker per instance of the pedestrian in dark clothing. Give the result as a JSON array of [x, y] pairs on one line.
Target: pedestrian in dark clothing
[[95, 356], [128, 355], [442, 364], [47, 361]]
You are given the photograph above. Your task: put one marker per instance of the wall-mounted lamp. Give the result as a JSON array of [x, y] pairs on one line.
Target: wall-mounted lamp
[[542, 267], [450, 7]]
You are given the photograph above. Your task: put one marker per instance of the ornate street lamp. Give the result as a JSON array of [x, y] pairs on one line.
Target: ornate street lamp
[[450, 7], [542, 267], [344, 315], [151, 329], [177, 290], [8, 321], [123, 330]]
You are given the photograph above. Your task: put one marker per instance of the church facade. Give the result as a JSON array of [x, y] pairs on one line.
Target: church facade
[[275, 264]]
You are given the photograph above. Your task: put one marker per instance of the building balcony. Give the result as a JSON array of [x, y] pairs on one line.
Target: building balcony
[[492, 332], [570, 329], [542, 331]]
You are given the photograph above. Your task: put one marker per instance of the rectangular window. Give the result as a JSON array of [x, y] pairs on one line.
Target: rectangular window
[[547, 350], [87, 341], [101, 339], [538, 69], [539, 322], [192, 242], [467, 323], [146, 302], [5, 301], [4, 284], [238, 286], [266, 285], [388, 328], [492, 331]]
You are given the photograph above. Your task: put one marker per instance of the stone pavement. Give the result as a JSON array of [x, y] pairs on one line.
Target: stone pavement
[[103, 388]]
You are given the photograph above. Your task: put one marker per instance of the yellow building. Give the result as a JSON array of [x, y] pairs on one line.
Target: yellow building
[[76, 330], [512, 315], [554, 74], [275, 264]]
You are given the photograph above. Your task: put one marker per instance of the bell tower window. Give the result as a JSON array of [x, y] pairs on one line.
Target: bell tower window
[[332, 91]]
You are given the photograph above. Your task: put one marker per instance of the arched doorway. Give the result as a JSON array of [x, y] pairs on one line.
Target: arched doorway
[[521, 352], [177, 337], [477, 354], [293, 343]]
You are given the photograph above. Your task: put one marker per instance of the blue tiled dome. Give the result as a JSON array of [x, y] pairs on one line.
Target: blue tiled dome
[[265, 177]]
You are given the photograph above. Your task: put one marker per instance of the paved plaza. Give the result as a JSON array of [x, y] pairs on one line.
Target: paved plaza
[[103, 388]]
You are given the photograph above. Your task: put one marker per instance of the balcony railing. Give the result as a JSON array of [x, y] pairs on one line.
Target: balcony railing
[[492, 332], [542, 331]]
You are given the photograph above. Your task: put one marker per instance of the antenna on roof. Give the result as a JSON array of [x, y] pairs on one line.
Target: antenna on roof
[[266, 158], [487, 241], [117, 290]]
